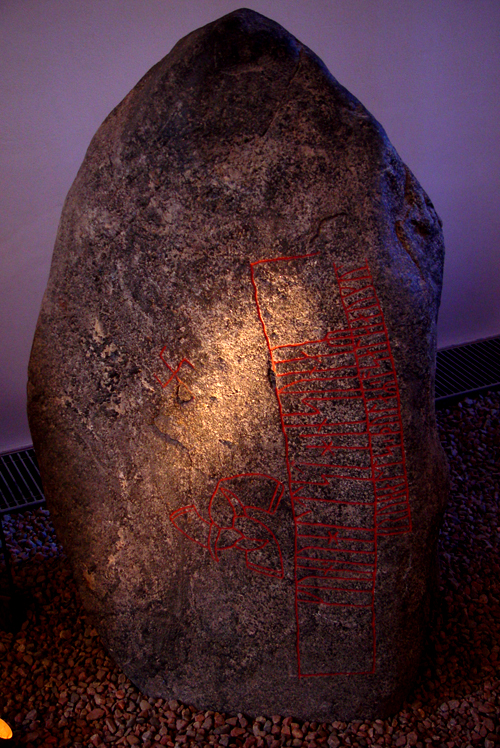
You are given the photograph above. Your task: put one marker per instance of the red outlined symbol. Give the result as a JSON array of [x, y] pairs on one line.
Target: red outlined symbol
[[174, 372], [234, 525]]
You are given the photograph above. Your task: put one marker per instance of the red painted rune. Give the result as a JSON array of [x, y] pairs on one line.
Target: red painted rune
[[340, 414], [174, 372], [338, 400]]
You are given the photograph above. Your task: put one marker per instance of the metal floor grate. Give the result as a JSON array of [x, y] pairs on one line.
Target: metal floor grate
[[20, 483], [467, 369]]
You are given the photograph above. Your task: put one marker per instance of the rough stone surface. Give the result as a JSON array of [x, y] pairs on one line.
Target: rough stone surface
[[231, 385]]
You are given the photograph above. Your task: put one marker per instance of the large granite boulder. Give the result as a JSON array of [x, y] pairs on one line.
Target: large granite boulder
[[231, 385]]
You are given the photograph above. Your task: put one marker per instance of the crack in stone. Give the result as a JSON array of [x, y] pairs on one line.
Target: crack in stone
[[279, 106], [320, 225], [410, 202], [169, 439]]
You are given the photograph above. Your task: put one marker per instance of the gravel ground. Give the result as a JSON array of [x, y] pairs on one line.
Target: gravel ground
[[59, 688]]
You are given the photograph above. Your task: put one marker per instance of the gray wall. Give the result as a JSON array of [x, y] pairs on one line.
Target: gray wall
[[427, 69]]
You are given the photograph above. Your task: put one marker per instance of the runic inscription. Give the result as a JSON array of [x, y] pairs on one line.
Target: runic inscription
[[340, 414]]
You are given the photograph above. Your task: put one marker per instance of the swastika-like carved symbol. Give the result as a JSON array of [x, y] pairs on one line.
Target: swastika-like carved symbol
[[174, 372]]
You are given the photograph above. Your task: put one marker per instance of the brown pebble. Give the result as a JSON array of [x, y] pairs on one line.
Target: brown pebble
[[237, 731]]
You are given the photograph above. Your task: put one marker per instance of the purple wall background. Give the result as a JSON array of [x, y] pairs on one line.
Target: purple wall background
[[428, 70]]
